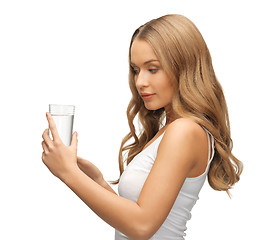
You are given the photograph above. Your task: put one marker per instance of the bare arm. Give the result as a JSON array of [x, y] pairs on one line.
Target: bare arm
[[120, 213], [94, 173], [139, 220], [105, 185]]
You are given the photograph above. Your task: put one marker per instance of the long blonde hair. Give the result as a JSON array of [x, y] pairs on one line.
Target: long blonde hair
[[185, 58]]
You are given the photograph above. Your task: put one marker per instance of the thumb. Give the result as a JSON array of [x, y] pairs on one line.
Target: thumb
[[74, 141]]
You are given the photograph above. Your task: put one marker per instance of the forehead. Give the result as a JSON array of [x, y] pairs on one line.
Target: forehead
[[141, 52]]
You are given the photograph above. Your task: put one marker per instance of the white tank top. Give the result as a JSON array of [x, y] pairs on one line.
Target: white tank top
[[134, 177]]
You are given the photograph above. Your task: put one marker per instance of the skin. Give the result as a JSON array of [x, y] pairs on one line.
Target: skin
[[183, 152], [148, 75]]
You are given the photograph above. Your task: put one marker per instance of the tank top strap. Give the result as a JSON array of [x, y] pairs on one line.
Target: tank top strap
[[210, 146]]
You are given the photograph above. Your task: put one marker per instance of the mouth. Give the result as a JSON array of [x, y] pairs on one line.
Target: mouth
[[147, 95]]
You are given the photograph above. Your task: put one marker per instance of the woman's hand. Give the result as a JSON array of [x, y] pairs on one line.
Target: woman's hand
[[59, 158], [90, 170]]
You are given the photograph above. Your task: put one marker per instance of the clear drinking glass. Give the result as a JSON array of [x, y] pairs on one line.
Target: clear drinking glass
[[63, 116]]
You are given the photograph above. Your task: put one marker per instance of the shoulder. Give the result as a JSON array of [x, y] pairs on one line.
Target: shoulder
[[185, 127], [183, 138]]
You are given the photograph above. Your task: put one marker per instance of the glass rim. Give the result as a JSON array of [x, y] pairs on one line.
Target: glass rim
[[61, 109]]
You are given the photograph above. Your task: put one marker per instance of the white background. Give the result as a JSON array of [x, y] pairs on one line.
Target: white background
[[76, 52]]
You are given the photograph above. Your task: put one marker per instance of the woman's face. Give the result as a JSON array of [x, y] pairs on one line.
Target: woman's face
[[151, 81]]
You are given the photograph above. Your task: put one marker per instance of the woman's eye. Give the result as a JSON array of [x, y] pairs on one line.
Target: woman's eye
[[153, 70]]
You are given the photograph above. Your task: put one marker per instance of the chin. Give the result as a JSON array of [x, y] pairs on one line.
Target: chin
[[152, 108]]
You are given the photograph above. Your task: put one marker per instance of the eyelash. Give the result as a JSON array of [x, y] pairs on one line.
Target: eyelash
[[153, 71]]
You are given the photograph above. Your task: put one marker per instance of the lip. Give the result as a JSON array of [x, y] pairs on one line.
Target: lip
[[147, 95]]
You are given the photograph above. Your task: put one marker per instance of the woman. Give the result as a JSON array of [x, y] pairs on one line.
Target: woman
[[171, 78]]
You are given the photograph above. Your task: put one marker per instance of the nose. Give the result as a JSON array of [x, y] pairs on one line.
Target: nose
[[141, 80]]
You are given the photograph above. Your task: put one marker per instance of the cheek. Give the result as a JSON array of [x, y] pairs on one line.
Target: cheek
[[167, 89], [169, 95]]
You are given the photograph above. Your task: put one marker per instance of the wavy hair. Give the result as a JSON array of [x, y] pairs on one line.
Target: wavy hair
[[198, 95]]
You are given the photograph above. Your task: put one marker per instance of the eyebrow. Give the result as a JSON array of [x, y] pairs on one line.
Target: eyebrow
[[149, 61]]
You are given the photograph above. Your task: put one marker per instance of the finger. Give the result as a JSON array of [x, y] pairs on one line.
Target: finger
[[47, 138], [44, 158], [53, 128], [45, 147], [74, 141]]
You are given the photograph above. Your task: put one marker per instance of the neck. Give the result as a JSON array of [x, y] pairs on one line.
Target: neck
[[170, 116]]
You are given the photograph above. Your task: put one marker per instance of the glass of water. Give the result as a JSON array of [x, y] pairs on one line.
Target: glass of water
[[63, 116]]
